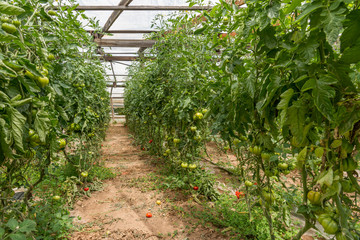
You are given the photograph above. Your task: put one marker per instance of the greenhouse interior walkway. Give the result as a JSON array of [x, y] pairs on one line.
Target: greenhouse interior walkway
[[119, 210]]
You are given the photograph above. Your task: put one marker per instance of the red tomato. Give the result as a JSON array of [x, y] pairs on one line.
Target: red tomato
[[86, 189], [196, 188], [148, 215], [255, 183], [239, 194], [151, 141]]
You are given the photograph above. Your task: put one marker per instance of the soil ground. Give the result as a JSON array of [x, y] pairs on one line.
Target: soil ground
[[119, 210]]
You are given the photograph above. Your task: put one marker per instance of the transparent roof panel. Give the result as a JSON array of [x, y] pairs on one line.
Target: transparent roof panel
[[128, 20]]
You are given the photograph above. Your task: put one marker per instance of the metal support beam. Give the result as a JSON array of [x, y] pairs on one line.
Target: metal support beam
[[127, 31], [115, 15], [119, 58], [124, 42], [141, 8]]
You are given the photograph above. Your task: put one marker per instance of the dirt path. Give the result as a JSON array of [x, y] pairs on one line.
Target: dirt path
[[119, 210]]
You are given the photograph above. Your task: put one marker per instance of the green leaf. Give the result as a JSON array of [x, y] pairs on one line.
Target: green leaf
[[336, 143], [200, 30], [349, 121], [319, 152], [30, 67], [27, 226], [17, 236], [292, 6], [309, 8], [296, 119], [2, 232], [302, 155], [322, 94], [62, 113], [332, 190], [285, 99], [350, 34], [4, 97], [12, 224], [326, 178], [5, 138], [17, 122], [41, 124], [333, 24], [10, 9], [351, 54]]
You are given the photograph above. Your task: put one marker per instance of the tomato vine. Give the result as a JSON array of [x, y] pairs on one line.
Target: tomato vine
[[279, 83]]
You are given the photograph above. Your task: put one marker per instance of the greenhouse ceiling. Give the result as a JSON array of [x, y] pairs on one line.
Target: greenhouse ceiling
[[127, 22]]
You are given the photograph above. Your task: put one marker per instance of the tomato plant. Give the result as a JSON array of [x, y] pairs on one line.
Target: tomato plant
[[281, 92], [40, 60]]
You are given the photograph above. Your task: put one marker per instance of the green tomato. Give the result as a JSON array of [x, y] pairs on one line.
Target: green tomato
[[62, 143], [269, 197], [347, 186], [236, 141], [198, 116], [192, 166], [204, 111], [16, 23], [328, 223], [51, 57], [29, 154], [349, 164], [52, 13], [193, 128], [248, 183], [184, 165], [283, 166], [8, 27], [314, 197], [56, 198], [176, 140], [257, 150], [5, 19], [84, 174], [43, 81], [265, 156], [226, 148]]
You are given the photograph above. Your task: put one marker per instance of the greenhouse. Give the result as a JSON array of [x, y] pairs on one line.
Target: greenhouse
[[182, 119]]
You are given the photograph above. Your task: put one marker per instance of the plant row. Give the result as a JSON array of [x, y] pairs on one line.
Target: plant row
[[54, 109], [277, 84]]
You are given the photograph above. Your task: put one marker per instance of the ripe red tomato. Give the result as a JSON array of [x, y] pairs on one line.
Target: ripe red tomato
[[239, 194], [86, 189], [196, 188], [151, 141], [148, 215]]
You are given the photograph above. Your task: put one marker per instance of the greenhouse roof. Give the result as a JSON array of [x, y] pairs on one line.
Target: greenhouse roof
[[127, 22]]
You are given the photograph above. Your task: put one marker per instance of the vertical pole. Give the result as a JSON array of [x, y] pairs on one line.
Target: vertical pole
[[111, 98]]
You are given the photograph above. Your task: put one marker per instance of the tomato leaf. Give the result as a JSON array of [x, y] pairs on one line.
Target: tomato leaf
[[326, 178], [319, 152], [292, 6], [333, 24], [336, 143], [41, 124], [12, 224], [27, 226], [17, 123], [10, 9], [5, 138], [296, 119], [309, 8], [351, 33]]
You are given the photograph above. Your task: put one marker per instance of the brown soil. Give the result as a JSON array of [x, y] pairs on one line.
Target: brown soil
[[119, 210]]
